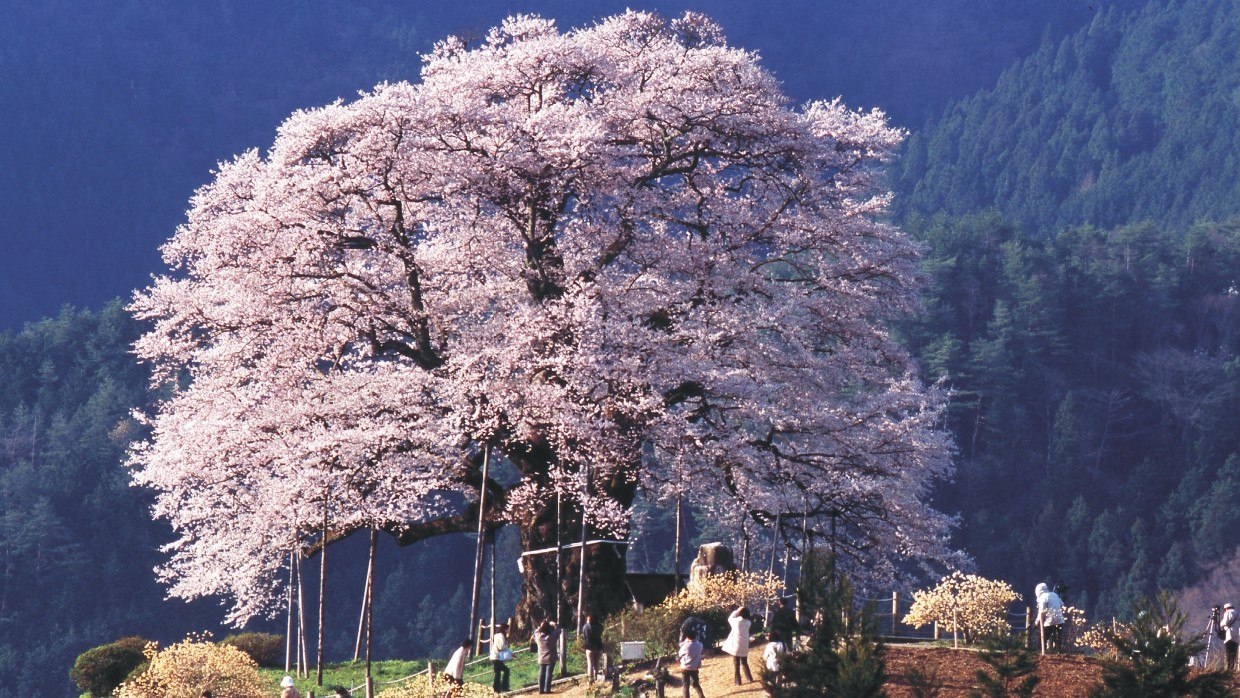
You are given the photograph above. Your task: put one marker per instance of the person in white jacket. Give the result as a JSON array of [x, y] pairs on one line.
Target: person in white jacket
[[773, 657], [455, 671], [737, 643], [1050, 617], [500, 654], [1231, 633]]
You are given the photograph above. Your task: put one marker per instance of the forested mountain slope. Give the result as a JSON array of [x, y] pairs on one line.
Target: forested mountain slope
[[1096, 393], [1135, 118], [76, 546], [1084, 257]]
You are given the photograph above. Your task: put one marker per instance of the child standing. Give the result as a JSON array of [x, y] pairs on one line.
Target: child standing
[[690, 655]]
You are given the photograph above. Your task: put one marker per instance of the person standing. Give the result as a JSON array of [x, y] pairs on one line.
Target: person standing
[[1231, 633], [500, 655], [289, 688], [546, 642], [592, 639], [455, 671], [784, 622], [690, 656], [1050, 617], [737, 643]]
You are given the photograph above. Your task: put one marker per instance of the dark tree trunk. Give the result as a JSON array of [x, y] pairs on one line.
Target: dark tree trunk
[[605, 565]]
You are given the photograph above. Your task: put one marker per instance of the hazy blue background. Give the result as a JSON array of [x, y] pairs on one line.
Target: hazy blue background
[[112, 113]]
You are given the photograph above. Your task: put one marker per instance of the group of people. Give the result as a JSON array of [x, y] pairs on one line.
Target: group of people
[[781, 637], [544, 643]]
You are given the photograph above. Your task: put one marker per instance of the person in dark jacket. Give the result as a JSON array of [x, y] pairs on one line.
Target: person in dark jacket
[[592, 638], [784, 622]]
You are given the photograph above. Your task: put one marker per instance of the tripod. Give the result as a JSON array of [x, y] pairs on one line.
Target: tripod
[[1211, 626]]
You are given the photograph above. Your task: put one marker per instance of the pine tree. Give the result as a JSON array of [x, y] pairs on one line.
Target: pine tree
[[1012, 669], [843, 657], [1153, 658]]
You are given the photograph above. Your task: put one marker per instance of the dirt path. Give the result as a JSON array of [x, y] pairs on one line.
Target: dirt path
[[1063, 676], [716, 678]]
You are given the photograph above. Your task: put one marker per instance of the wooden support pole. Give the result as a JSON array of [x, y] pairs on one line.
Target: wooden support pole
[[361, 620], [303, 655], [289, 644], [322, 595], [480, 548], [676, 557], [370, 610], [581, 572], [766, 613]]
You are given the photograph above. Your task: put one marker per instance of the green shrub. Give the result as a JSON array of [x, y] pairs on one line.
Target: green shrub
[[659, 628], [267, 649], [98, 671]]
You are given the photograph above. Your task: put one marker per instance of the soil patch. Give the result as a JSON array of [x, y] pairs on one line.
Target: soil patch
[[1063, 675]]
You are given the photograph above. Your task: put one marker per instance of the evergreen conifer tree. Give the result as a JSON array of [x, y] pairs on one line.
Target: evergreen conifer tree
[[1152, 658], [1012, 669], [843, 657]]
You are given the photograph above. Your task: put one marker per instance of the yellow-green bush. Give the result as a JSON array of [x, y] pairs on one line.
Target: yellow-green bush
[[710, 599], [185, 669], [419, 687], [973, 605]]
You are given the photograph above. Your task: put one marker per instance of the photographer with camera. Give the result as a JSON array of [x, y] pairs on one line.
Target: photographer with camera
[[1231, 633]]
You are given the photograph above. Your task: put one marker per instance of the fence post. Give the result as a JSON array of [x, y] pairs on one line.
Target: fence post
[[955, 630], [895, 611]]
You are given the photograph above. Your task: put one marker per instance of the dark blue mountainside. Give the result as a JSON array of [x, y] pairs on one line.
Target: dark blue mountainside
[[115, 112]]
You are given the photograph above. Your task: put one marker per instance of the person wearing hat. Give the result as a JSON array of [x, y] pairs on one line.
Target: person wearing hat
[[1050, 616], [290, 690], [1231, 634]]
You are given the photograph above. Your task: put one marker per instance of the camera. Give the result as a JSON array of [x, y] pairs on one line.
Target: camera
[[1214, 611]]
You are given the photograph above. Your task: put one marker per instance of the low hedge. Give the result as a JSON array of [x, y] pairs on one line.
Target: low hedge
[[266, 649], [99, 670]]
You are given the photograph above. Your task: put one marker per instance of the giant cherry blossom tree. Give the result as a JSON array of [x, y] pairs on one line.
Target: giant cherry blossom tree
[[615, 258]]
